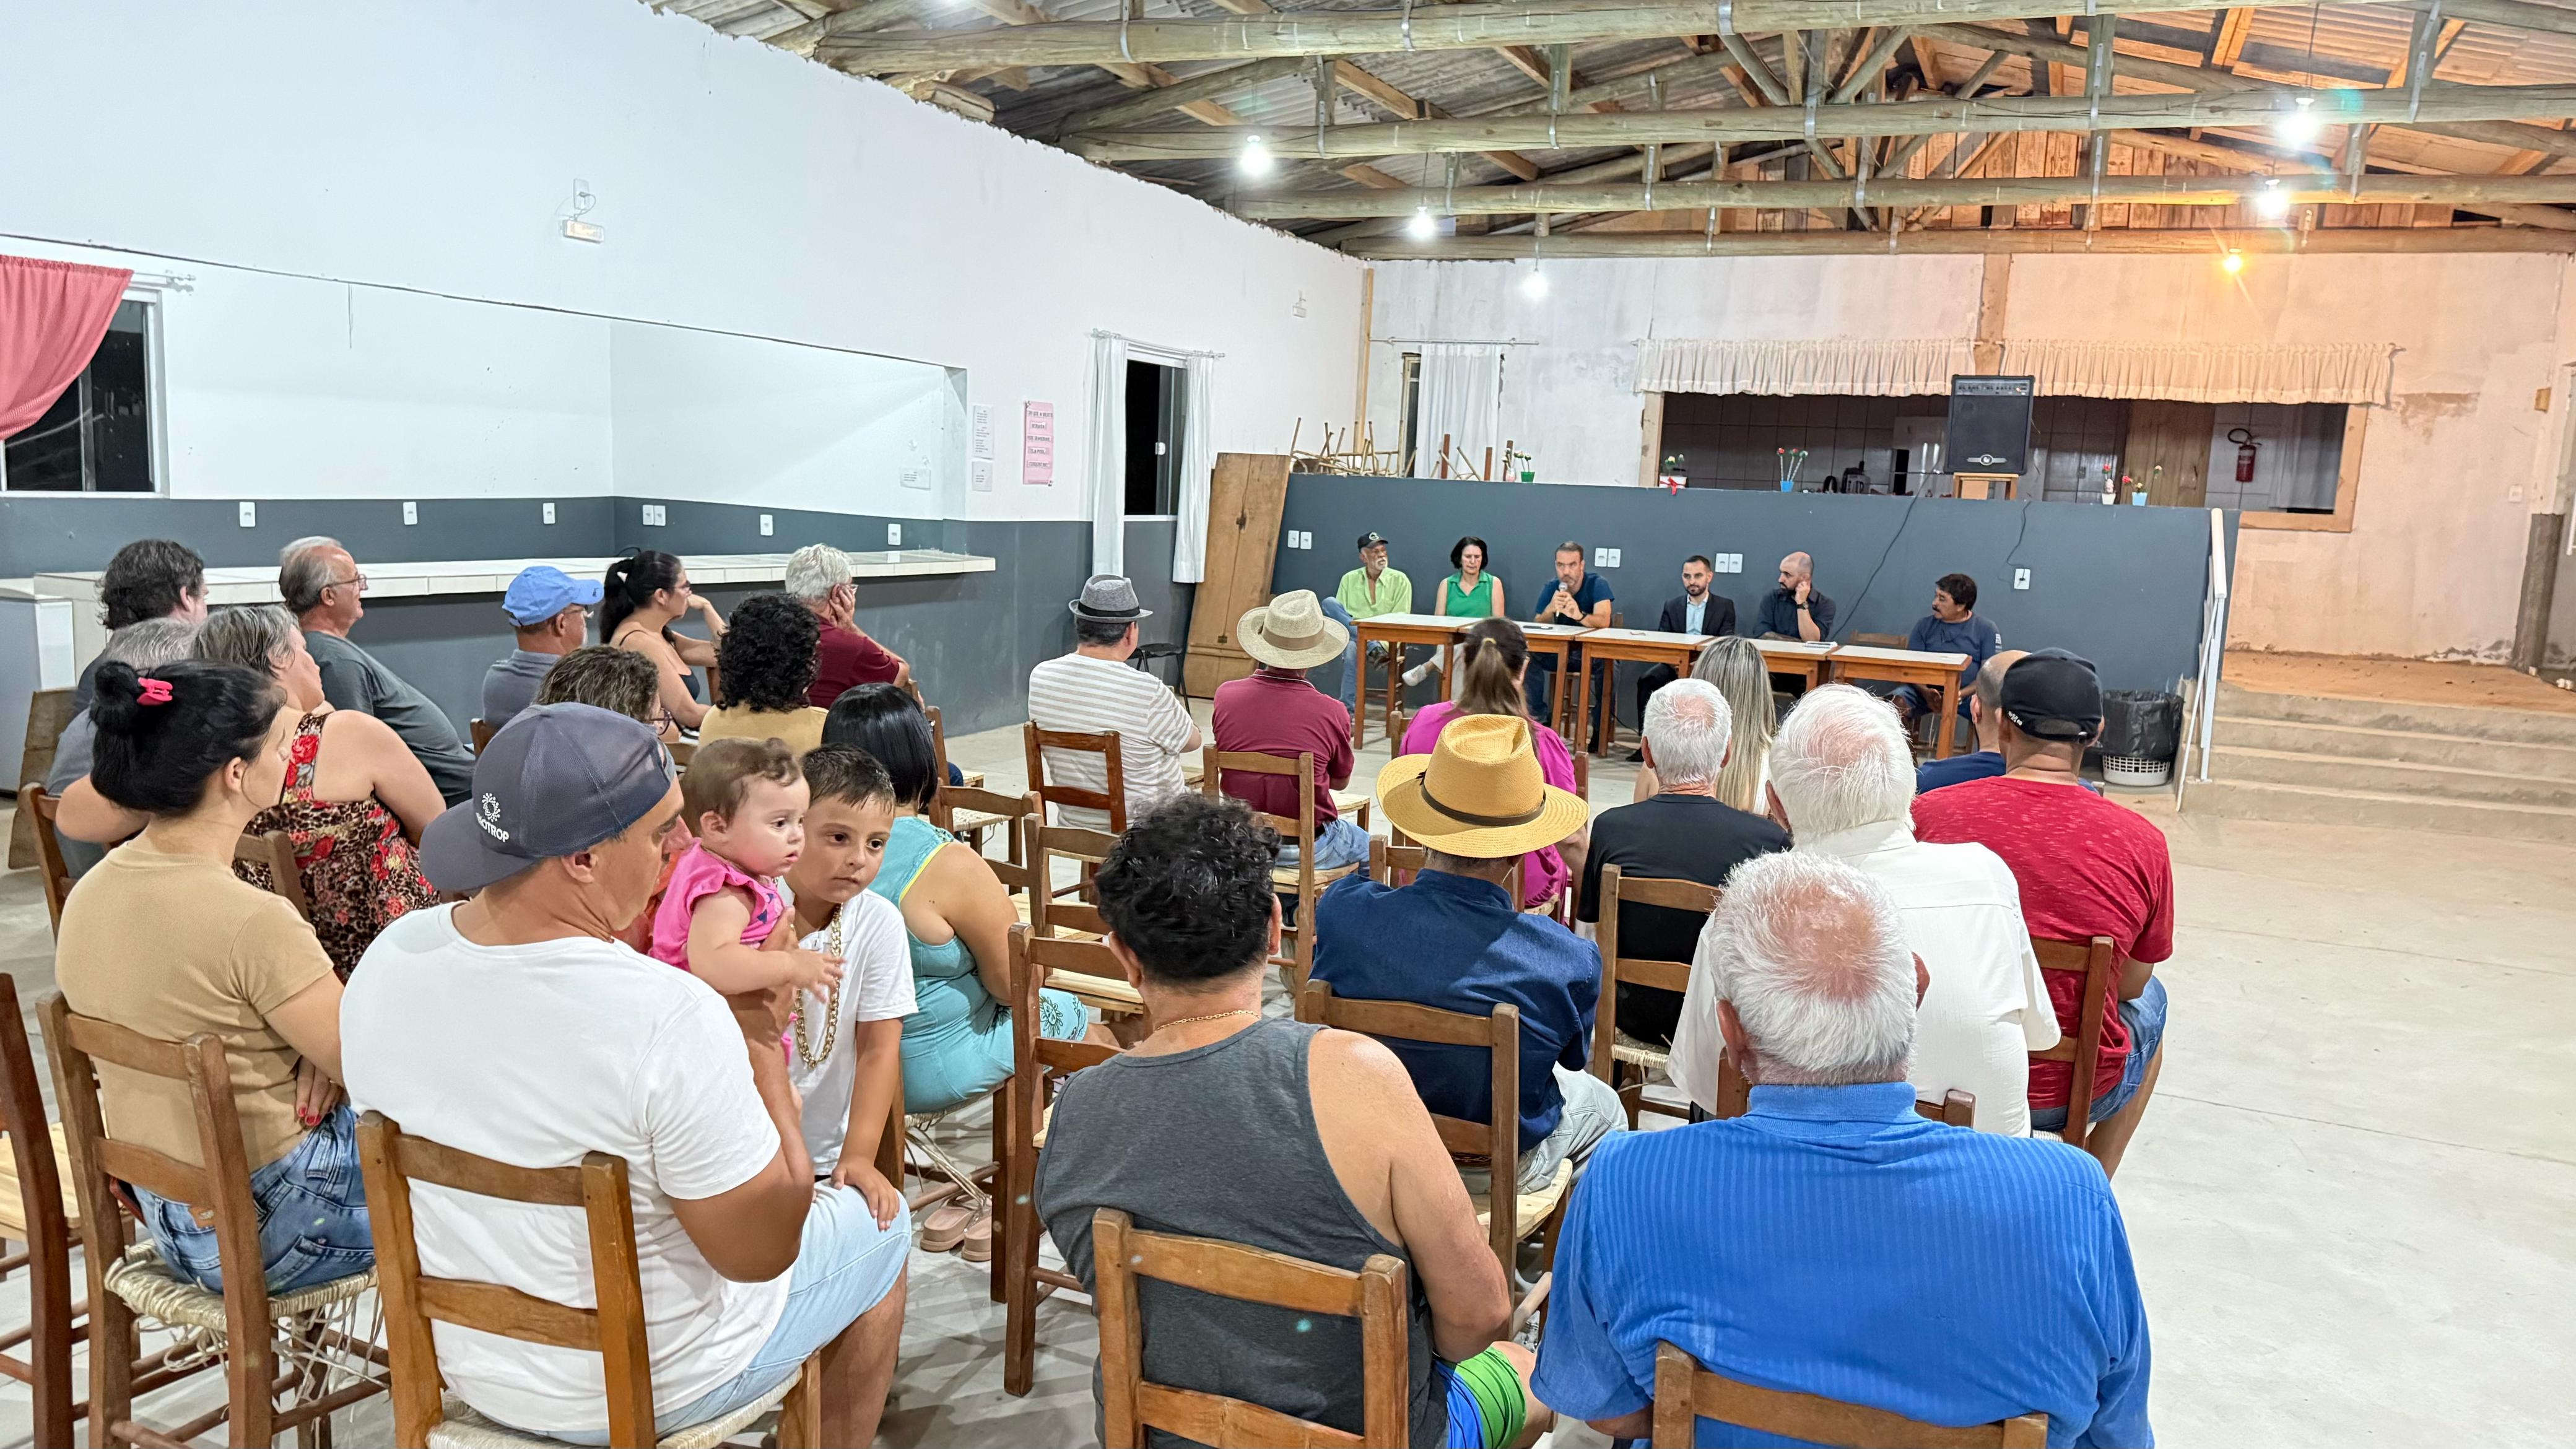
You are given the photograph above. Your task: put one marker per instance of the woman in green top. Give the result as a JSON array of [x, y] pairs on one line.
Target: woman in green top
[[1470, 593]]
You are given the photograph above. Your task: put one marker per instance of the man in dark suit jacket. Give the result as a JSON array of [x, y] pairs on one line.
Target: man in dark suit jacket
[[1694, 610]]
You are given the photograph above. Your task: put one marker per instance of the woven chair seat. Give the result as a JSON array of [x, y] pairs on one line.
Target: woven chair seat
[[1626, 1048], [1285, 876], [967, 822], [462, 1428], [1534, 1206], [149, 1287]]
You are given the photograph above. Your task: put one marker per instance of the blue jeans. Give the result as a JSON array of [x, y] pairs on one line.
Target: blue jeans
[[312, 1206], [2145, 1018], [1341, 678], [1338, 842], [845, 1266]]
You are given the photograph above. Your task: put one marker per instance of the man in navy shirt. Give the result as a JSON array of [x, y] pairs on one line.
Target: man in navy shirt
[[1796, 609], [1577, 597], [1764, 1246], [1953, 627]]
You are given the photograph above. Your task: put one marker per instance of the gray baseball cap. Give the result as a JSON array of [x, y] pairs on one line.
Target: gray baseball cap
[[557, 779]]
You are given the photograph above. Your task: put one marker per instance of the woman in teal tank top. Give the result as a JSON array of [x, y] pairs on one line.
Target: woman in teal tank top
[[1470, 593]]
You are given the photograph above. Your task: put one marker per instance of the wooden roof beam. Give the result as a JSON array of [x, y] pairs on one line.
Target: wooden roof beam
[[2186, 241]]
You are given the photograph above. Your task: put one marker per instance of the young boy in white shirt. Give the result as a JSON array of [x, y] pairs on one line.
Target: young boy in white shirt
[[845, 1052]]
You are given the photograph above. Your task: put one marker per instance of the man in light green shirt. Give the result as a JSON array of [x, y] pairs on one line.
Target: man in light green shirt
[[1366, 592]]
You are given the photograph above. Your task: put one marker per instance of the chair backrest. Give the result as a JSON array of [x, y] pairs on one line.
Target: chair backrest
[[1113, 769], [1686, 1393], [44, 1225], [1038, 1061], [1121, 1253], [1957, 1108], [1073, 842], [1014, 809], [482, 730], [1398, 726], [614, 1330], [1496, 1142], [682, 752], [2100, 962], [275, 855], [42, 807], [1879, 641], [1297, 829], [1618, 888], [1401, 857]]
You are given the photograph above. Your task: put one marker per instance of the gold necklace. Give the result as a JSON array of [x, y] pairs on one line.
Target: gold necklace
[[1161, 1027], [831, 1007]]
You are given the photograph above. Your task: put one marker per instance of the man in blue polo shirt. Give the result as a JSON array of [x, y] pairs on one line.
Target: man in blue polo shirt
[[550, 610], [1953, 627], [1785, 1248], [1577, 597]]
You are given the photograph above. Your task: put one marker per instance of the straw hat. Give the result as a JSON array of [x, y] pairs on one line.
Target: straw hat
[[1292, 632], [1478, 793]]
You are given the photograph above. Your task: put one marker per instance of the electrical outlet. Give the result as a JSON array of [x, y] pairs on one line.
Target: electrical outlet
[[1735, 563], [250, 515], [766, 526], [655, 516], [1306, 540], [548, 510], [411, 515], [2513, 494], [894, 535], [2021, 578], [1614, 558]]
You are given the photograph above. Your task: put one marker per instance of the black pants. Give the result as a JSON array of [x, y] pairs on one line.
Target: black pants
[[1539, 684], [1655, 677]]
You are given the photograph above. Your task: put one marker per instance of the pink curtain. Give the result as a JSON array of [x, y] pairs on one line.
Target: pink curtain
[[52, 315]]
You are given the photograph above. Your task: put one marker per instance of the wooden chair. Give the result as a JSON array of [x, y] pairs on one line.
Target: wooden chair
[[1507, 1216], [2101, 964], [1956, 1108], [1612, 1048], [482, 731], [1395, 862], [972, 813], [271, 858], [614, 1329], [128, 1281], [1685, 1393], [40, 807], [682, 752], [1036, 742], [38, 1210], [1129, 1405], [1878, 641], [48, 711], [1037, 1064], [1301, 882]]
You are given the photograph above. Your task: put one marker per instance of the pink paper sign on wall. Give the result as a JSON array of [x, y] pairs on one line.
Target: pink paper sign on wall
[[1037, 442]]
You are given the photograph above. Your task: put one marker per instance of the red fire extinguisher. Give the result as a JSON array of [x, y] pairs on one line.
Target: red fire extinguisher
[[2246, 447]]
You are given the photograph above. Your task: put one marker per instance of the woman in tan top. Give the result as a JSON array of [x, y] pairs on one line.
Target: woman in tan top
[[763, 668], [163, 939], [644, 593]]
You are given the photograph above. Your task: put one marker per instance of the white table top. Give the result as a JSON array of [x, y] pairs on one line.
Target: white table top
[[1872, 654], [1643, 636], [491, 576], [1415, 621]]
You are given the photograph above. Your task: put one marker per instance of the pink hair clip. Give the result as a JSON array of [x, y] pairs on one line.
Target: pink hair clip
[[153, 691]]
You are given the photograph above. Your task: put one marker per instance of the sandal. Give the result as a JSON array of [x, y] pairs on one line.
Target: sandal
[[977, 1245], [947, 1226]]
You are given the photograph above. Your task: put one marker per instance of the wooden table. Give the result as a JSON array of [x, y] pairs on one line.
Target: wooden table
[[1396, 631], [1555, 640], [1638, 646], [1934, 673]]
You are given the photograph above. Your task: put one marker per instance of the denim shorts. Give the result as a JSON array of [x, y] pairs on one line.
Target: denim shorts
[[312, 1206], [845, 1266], [1338, 842], [2145, 1018]]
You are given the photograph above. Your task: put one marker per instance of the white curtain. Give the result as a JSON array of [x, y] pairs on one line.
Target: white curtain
[[1198, 464], [1461, 400], [1106, 444], [2260, 372], [1910, 367]]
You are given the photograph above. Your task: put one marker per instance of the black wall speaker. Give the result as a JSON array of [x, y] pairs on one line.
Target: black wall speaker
[[1990, 425]]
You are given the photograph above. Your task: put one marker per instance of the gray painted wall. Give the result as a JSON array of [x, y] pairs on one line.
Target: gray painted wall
[[2120, 586]]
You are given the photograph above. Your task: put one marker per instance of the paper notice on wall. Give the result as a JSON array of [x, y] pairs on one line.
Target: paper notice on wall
[[980, 476], [980, 430], [917, 478], [1037, 442]]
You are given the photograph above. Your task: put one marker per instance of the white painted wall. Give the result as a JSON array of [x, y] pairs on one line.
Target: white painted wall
[[2434, 561], [432, 145]]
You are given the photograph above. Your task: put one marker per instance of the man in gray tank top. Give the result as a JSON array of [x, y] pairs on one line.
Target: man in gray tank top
[[1277, 1135]]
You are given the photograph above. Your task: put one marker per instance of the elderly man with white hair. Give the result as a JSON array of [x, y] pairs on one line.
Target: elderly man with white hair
[[1843, 779], [1830, 1241], [820, 576], [325, 591], [1682, 832]]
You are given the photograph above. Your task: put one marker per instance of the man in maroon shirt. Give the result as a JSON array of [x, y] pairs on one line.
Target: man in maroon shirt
[[2087, 867], [1275, 711], [819, 575]]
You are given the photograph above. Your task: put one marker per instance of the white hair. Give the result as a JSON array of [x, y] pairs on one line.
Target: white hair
[[1812, 955], [1687, 726], [1841, 762], [815, 570], [151, 643], [303, 573]]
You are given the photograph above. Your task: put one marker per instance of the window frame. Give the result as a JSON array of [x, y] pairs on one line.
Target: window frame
[[2356, 427], [156, 411]]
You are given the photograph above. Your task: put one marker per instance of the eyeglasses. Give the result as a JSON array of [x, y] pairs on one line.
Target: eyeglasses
[[358, 579]]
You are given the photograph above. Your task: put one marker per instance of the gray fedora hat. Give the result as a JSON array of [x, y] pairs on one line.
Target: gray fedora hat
[[1110, 597]]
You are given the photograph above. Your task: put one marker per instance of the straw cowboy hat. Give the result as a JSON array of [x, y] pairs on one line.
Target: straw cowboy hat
[[1478, 793], [1292, 632]]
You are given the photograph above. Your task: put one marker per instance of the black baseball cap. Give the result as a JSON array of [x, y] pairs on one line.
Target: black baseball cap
[[1371, 540], [2050, 694], [557, 779]]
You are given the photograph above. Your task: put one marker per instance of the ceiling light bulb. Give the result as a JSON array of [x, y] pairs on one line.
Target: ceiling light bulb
[[2272, 203], [1535, 284], [1422, 227], [1256, 157], [2232, 263], [2299, 127]]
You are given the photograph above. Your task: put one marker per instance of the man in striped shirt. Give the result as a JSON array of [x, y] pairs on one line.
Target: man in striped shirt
[[1093, 691], [1829, 1241]]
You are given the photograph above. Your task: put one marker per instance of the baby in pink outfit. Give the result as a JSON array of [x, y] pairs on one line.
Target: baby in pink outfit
[[722, 916]]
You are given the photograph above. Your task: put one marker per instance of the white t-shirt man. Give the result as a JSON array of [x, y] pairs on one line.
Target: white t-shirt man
[[1077, 693], [535, 1055], [1986, 1008], [876, 985]]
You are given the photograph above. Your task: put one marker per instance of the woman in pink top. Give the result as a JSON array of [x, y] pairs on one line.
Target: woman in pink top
[[1489, 682]]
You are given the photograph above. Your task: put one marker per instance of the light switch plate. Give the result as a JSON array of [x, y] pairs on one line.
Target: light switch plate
[[2021, 578], [549, 510], [250, 515], [655, 516], [894, 535], [411, 514], [1605, 558], [767, 526]]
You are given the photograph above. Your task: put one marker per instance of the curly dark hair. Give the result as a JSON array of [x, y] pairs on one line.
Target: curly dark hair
[[149, 578], [1188, 889], [1961, 589], [156, 758], [767, 658]]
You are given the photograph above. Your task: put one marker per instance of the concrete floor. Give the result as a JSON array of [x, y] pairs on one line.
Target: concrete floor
[[2409, 681], [2350, 1204]]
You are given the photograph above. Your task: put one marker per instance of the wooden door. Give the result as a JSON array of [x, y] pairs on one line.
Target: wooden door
[[1245, 498], [2175, 435]]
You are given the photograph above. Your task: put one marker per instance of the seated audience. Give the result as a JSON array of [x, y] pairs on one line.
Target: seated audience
[[196, 750], [1695, 610], [1451, 940], [2087, 867], [1985, 709], [1953, 627], [721, 905], [1496, 663], [150, 578], [144, 646], [1683, 832], [617, 680], [326, 594], [1366, 592], [821, 578], [1735, 666], [549, 609], [1842, 777], [1275, 711], [1581, 598], [457, 1027], [847, 1065], [1276, 1135], [1830, 1241], [645, 594], [1797, 609], [1468, 593], [763, 670], [1092, 690]]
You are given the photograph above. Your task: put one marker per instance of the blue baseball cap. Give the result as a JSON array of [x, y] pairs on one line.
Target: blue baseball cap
[[540, 593], [558, 779]]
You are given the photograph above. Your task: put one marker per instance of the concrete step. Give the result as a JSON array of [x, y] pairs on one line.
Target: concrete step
[[2252, 800], [2386, 777], [2464, 752], [2527, 726]]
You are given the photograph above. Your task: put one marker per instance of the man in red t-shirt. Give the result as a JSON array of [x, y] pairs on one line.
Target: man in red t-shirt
[[819, 575], [2087, 867], [1276, 711]]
